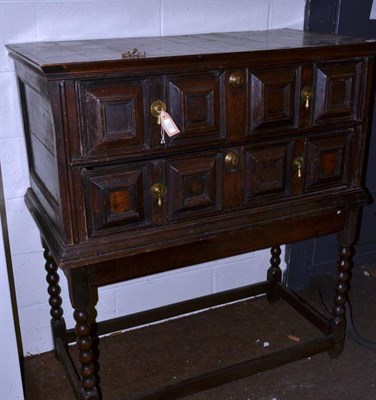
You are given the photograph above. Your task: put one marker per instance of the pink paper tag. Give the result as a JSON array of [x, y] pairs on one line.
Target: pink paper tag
[[168, 124]]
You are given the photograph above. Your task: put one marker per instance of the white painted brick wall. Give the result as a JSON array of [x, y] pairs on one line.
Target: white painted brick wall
[[10, 374], [28, 21]]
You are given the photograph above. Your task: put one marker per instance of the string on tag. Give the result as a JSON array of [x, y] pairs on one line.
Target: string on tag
[[163, 141]]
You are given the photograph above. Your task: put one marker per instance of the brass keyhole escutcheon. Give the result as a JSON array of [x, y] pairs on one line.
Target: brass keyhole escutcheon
[[306, 96], [299, 166], [232, 160], [156, 108], [158, 191], [236, 79]]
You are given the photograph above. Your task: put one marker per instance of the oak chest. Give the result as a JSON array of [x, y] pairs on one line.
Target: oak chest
[[271, 149]]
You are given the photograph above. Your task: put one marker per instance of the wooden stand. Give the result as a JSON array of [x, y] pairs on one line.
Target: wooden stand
[[86, 334]]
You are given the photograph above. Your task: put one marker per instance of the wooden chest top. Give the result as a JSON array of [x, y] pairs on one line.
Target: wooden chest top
[[72, 57]]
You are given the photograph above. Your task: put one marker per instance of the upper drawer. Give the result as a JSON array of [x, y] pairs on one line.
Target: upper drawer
[[210, 108], [114, 117], [288, 98]]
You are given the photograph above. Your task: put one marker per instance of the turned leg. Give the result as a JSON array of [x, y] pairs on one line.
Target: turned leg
[[344, 264], [274, 275], [79, 294], [86, 356], [57, 321]]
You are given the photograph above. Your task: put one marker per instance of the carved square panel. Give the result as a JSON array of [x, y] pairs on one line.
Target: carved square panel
[[194, 185], [336, 91], [116, 198], [273, 98], [113, 117], [328, 161], [266, 171], [195, 105], [119, 118]]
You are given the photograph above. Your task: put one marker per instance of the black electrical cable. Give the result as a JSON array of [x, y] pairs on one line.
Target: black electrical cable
[[351, 331]]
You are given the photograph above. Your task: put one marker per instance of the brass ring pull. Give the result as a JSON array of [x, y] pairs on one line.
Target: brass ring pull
[[306, 96], [156, 108], [158, 191], [232, 160], [299, 165]]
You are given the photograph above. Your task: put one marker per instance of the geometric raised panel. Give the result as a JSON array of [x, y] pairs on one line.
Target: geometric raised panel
[[112, 117], [328, 161], [119, 119], [194, 102], [266, 171], [273, 98], [194, 186], [116, 198], [337, 91]]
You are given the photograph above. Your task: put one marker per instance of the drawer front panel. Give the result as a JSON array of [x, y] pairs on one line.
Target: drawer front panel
[[337, 91], [328, 160], [194, 185], [117, 197], [196, 103], [267, 172], [274, 96], [114, 117]]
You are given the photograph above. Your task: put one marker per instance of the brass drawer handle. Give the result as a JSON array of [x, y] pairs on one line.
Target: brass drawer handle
[[236, 79], [156, 108], [299, 165], [232, 160], [306, 96], [158, 191]]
